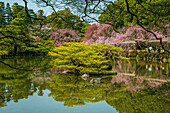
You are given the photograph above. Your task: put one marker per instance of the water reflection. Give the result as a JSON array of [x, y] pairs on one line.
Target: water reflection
[[131, 91], [142, 68], [16, 84], [73, 91]]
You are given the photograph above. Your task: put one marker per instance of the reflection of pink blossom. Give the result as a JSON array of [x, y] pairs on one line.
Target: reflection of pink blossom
[[135, 83], [129, 54], [154, 84], [161, 57]]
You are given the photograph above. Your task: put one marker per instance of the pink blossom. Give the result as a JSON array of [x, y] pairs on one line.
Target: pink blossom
[[64, 35], [109, 36]]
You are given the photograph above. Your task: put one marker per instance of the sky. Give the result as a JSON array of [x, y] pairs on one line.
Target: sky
[[31, 5]]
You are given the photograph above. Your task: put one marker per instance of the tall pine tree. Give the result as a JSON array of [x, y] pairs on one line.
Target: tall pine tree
[[16, 9], [2, 14], [8, 14]]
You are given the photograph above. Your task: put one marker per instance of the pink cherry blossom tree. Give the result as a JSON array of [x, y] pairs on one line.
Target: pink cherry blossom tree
[[64, 35], [104, 33]]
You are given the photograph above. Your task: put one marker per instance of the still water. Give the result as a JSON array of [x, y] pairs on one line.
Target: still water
[[33, 85]]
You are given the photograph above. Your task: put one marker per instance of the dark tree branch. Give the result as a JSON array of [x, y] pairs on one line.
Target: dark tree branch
[[85, 12], [96, 6], [15, 67], [26, 10], [7, 36]]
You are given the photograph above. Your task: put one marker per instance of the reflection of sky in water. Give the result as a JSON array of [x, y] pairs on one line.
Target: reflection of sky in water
[[150, 69], [45, 104]]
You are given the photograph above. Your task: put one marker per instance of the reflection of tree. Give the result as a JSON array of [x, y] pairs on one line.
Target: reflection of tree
[[73, 91], [135, 84], [40, 80], [16, 84], [24, 63], [142, 68], [139, 95], [142, 102]]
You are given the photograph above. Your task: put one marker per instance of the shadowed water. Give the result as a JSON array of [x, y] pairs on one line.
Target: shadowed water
[[35, 86]]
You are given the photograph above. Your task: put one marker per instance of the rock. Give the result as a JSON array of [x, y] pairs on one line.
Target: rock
[[95, 80], [85, 76], [65, 72]]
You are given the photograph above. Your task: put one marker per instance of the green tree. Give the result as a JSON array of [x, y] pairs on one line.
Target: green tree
[[15, 35], [149, 13], [116, 15], [8, 14], [2, 14], [16, 9], [40, 14], [79, 58], [67, 20], [23, 14], [41, 18], [154, 13]]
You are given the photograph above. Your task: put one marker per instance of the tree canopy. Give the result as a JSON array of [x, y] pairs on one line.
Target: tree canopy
[[153, 13], [80, 58]]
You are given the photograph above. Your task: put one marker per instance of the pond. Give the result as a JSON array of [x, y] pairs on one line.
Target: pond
[[33, 85]]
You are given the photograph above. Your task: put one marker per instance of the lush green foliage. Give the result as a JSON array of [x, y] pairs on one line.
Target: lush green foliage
[[15, 39], [149, 12], [32, 36], [7, 14], [14, 35], [20, 34], [68, 21], [82, 58]]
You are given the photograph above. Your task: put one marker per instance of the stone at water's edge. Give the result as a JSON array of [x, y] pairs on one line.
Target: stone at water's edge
[[65, 72], [85, 76], [95, 80]]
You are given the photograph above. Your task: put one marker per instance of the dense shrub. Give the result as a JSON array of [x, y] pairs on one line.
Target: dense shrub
[[80, 58]]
